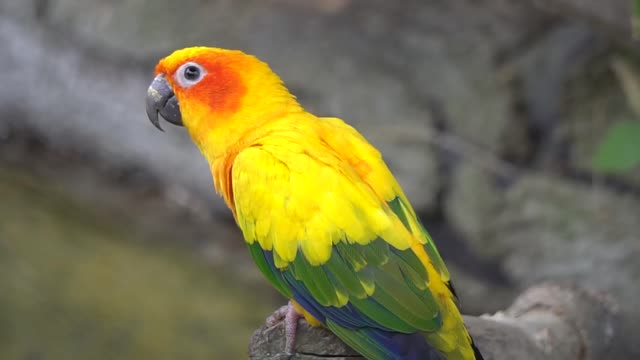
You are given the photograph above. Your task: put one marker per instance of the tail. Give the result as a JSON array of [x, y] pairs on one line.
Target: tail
[[453, 339], [377, 344]]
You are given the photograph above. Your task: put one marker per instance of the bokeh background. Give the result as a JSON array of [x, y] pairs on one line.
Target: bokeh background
[[514, 127]]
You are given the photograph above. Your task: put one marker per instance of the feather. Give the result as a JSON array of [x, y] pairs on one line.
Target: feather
[[322, 215], [365, 286]]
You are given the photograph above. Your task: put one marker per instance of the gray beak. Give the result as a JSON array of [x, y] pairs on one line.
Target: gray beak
[[161, 100]]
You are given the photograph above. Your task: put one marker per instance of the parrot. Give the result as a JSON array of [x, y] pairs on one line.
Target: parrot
[[321, 213]]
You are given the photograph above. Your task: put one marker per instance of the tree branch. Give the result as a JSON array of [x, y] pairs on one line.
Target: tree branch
[[548, 321]]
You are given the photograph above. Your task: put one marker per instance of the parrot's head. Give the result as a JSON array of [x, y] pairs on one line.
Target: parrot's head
[[217, 94]]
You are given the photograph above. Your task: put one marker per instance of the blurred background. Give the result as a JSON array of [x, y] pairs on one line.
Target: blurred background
[[514, 127]]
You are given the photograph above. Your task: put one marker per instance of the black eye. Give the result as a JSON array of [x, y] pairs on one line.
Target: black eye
[[192, 73]]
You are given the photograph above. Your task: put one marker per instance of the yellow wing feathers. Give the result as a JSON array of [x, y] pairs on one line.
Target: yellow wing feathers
[[327, 186], [302, 201]]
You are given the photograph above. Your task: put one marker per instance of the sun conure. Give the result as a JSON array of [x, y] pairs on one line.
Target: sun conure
[[323, 217]]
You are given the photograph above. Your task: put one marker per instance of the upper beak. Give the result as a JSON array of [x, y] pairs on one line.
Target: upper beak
[[162, 100]]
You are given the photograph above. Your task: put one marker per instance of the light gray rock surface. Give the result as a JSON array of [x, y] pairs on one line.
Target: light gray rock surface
[[545, 322], [550, 228]]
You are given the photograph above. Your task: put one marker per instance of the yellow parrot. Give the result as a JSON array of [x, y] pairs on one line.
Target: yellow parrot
[[322, 215]]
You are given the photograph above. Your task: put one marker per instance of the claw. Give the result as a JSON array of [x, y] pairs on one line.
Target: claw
[[290, 316]]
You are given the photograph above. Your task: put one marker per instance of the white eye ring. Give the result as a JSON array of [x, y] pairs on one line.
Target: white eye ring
[[189, 74]]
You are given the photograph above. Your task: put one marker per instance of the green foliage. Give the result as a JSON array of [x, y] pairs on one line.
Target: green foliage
[[619, 151]]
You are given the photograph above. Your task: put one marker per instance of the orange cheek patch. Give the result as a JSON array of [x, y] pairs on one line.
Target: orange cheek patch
[[222, 89]]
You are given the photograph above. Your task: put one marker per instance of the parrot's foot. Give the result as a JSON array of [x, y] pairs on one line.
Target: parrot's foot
[[289, 315]]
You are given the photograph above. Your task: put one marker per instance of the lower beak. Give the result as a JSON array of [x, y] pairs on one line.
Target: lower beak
[[161, 100]]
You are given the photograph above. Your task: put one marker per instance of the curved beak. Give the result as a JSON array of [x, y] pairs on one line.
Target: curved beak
[[161, 100]]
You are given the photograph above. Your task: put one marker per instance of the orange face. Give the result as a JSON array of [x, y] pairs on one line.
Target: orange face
[[217, 94], [206, 75]]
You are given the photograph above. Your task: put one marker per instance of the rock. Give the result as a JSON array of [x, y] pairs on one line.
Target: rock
[[472, 201], [24, 10], [267, 343], [547, 321], [613, 15], [477, 294], [91, 107], [546, 68], [440, 58], [551, 228]]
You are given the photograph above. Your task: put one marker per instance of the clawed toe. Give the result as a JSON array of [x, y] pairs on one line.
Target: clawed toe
[[277, 317], [289, 315]]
